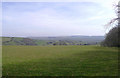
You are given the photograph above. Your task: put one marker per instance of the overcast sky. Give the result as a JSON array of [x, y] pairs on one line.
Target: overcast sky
[[86, 17]]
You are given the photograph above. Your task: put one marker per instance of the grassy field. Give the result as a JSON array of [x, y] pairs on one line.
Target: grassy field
[[59, 61]]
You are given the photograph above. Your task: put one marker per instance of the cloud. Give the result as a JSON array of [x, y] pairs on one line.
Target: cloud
[[55, 19]]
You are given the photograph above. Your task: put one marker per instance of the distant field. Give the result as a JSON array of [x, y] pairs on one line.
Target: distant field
[[59, 61], [45, 41]]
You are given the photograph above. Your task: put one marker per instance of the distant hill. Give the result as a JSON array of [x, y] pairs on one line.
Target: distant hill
[[77, 38], [61, 40], [85, 39], [20, 41]]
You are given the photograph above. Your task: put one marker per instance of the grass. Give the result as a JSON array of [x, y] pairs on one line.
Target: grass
[[59, 61], [6, 39], [40, 42]]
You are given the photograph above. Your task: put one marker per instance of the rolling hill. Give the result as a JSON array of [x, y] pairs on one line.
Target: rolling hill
[[20, 41], [73, 39], [61, 40]]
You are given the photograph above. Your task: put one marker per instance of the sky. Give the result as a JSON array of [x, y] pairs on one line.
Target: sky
[[36, 19]]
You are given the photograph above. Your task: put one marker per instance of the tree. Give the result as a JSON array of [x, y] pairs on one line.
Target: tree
[[112, 37]]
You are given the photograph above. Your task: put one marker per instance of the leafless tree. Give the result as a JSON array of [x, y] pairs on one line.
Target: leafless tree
[[117, 10], [112, 38]]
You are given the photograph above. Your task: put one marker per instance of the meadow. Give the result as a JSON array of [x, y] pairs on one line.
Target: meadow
[[59, 61]]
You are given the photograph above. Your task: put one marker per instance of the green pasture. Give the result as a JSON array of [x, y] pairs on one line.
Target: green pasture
[[59, 61]]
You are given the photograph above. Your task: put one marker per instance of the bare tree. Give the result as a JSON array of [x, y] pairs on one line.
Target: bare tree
[[118, 16], [118, 13], [112, 37]]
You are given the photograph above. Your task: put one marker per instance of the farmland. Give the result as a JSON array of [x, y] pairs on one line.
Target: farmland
[[61, 40], [59, 61]]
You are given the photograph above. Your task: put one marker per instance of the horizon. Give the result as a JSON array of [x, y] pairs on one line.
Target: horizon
[[56, 36], [49, 19]]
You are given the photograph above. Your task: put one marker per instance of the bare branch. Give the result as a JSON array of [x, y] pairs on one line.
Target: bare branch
[[117, 11]]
